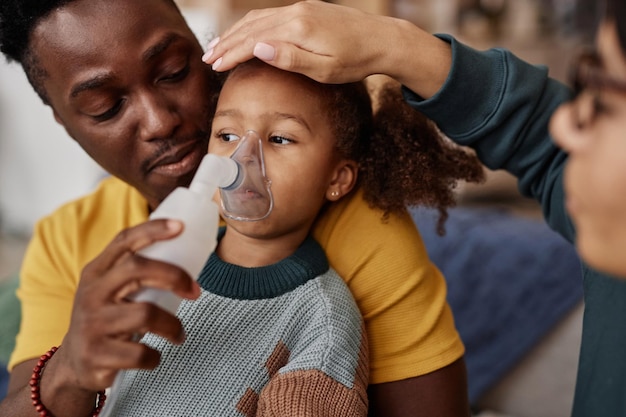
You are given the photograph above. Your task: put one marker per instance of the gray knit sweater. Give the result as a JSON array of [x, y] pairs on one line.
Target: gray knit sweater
[[286, 339]]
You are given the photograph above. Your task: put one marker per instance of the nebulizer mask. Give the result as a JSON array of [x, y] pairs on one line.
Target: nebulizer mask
[[250, 198], [245, 196]]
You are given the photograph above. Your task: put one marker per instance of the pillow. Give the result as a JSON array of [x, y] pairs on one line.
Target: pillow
[[11, 315]]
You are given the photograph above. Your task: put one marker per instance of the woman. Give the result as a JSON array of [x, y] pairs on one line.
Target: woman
[[592, 129]]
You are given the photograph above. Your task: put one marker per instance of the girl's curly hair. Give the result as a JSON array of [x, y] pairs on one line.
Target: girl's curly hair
[[408, 162], [403, 158]]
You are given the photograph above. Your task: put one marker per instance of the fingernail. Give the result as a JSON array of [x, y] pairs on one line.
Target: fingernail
[[217, 64], [207, 55], [214, 42], [264, 51], [174, 225]]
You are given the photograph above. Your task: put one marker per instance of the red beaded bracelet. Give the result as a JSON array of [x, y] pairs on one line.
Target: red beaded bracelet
[[35, 381]]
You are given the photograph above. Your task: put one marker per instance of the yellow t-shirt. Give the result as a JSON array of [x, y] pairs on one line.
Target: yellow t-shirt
[[401, 294]]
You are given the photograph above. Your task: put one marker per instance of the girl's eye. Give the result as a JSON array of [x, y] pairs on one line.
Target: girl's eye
[[280, 140], [228, 137], [110, 113]]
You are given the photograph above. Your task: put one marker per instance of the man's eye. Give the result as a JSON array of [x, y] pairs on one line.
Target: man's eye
[[110, 113], [228, 137], [178, 75], [280, 140]]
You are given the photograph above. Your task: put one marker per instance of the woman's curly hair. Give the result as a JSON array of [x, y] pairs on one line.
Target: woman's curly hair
[[403, 158]]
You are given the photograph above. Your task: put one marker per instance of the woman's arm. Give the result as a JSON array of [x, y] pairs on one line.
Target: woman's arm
[[501, 106]]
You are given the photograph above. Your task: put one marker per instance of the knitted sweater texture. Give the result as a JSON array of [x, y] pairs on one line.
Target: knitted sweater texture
[[281, 340]]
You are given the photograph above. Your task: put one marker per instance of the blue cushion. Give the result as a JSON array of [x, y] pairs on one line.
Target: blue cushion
[[510, 280]]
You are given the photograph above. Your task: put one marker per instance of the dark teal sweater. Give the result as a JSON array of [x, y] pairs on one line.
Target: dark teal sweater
[[501, 107]]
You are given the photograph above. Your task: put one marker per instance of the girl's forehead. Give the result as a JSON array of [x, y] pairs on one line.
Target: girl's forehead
[[268, 83], [253, 91], [256, 68]]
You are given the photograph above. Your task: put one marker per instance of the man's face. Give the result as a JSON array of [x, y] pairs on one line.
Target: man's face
[[126, 80]]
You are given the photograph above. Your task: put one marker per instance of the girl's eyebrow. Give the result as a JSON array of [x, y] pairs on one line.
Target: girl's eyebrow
[[276, 115], [227, 113], [295, 118]]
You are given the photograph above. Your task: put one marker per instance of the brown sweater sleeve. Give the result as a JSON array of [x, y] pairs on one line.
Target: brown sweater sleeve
[[312, 393]]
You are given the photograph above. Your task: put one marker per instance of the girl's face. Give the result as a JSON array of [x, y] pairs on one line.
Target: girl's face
[[298, 146], [592, 129]]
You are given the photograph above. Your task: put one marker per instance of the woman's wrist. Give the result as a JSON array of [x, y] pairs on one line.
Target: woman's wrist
[[417, 59]]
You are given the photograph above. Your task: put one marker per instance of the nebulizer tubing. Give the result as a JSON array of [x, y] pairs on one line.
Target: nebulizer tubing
[[245, 196]]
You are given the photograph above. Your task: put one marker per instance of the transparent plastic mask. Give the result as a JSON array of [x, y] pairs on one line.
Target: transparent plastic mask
[[250, 198]]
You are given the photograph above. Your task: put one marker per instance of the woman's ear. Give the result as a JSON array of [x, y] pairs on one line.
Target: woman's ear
[[343, 180]]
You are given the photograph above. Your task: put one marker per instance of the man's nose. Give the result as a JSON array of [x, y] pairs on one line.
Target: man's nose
[[159, 117]]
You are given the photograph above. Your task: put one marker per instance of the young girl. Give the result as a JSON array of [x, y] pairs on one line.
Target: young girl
[[276, 331]]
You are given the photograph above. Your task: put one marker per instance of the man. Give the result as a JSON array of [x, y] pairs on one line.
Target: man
[[125, 79]]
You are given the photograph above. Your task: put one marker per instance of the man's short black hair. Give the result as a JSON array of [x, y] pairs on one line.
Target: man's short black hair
[[18, 18]]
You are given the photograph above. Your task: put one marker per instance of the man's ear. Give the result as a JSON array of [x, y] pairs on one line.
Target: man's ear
[[60, 121], [57, 118], [343, 180]]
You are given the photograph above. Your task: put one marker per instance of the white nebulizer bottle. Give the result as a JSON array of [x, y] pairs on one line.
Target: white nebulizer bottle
[[238, 178], [195, 208]]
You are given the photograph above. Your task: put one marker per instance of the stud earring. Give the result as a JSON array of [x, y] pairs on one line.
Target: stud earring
[[334, 194]]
